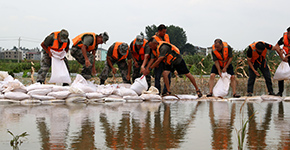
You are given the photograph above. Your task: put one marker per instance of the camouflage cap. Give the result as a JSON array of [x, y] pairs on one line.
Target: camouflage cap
[[105, 37], [139, 40], [123, 48], [63, 35]]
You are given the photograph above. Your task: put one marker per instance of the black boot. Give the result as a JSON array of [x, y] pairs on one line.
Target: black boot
[[102, 81], [65, 84]]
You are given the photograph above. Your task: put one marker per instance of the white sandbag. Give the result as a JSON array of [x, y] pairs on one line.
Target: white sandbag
[[56, 88], [20, 90], [237, 99], [125, 85], [187, 97], [59, 71], [108, 99], [16, 95], [83, 85], [271, 98], [75, 90], [106, 90], [254, 98], [39, 86], [77, 95], [124, 92], [169, 97], [152, 90], [12, 85], [133, 98], [151, 97], [42, 97], [282, 72], [8, 78], [140, 85], [94, 95], [286, 99], [39, 92], [3, 75], [9, 101], [75, 99], [2, 96], [55, 101], [222, 86], [59, 94]]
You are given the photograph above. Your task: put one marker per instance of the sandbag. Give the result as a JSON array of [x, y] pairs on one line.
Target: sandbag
[[59, 94], [3, 75], [271, 98], [124, 92], [94, 95], [59, 71], [282, 72], [222, 86], [82, 85], [76, 95], [42, 97], [56, 88], [106, 90], [16, 95], [170, 97], [139, 85], [187, 97], [39, 86], [11, 85], [151, 97], [39, 92], [133, 98], [152, 90]]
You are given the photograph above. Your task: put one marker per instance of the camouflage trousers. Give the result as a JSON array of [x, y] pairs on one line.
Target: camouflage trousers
[[123, 68], [78, 55], [45, 65], [137, 74]]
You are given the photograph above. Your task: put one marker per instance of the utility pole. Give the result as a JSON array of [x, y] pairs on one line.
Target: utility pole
[[18, 49]]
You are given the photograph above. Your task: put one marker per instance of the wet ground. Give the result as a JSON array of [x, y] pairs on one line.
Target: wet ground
[[152, 125]]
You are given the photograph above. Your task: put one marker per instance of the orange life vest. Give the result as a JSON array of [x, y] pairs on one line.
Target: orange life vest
[[115, 52], [255, 54], [286, 46], [55, 45], [158, 39], [169, 57], [222, 60], [77, 41], [141, 52]]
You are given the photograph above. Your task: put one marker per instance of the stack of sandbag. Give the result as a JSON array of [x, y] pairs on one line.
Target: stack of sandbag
[[13, 89]]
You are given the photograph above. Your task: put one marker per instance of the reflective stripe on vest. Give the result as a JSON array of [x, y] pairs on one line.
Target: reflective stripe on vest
[[55, 45], [158, 39], [286, 46], [222, 60], [140, 55], [115, 52], [169, 57], [77, 41], [255, 55]]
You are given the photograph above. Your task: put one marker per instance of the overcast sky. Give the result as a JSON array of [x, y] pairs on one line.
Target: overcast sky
[[239, 22]]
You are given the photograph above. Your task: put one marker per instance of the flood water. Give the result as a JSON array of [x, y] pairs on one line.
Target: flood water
[[147, 125]]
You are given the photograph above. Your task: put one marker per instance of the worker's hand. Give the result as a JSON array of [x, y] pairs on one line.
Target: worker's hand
[[146, 72], [114, 70], [220, 74], [49, 54], [142, 69], [136, 65], [285, 59], [128, 77], [88, 63], [224, 70], [94, 71], [257, 73]]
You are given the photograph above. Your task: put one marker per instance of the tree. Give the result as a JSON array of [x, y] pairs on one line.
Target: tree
[[188, 49], [176, 34]]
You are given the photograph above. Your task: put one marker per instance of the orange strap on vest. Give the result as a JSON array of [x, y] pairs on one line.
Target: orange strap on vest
[[77, 41], [222, 60], [55, 45], [170, 57], [158, 39], [140, 55], [286, 46], [256, 56], [115, 52]]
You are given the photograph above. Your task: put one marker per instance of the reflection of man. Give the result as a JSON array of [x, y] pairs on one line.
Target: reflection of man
[[84, 50], [256, 54], [138, 49], [170, 55], [57, 41], [118, 53], [283, 41], [222, 57]]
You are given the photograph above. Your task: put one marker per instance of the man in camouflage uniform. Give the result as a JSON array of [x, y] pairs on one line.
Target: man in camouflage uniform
[[84, 50], [57, 41], [118, 53], [139, 48]]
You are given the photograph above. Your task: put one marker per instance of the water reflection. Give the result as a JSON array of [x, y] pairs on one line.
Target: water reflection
[[147, 125]]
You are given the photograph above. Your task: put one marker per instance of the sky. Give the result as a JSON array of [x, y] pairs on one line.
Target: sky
[[238, 22]]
